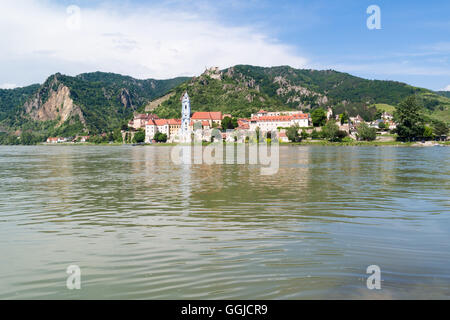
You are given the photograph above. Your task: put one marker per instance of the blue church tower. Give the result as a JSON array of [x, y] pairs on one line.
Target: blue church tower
[[185, 134]]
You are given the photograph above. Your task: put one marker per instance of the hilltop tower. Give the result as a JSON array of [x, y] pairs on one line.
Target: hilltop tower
[[185, 134]]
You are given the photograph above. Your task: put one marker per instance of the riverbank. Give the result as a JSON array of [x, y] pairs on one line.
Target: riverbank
[[367, 143], [376, 143]]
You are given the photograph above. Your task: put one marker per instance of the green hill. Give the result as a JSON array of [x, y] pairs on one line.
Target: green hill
[[444, 93], [101, 102], [90, 102], [243, 89]]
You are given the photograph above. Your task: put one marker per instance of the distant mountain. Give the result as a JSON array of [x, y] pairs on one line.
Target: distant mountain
[[91, 102], [243, 89]]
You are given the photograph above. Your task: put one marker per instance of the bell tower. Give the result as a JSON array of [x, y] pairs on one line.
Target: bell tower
[[185, 134]]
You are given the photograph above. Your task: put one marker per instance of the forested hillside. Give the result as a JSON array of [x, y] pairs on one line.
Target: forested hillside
[[243, 89]]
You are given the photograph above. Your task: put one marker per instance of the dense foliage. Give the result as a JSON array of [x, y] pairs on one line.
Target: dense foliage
[[139, 136], [409, 120], [292, 133], [229, 123], [318, 117], [331, 132], [440, 128], [366, 133], [160, 137]]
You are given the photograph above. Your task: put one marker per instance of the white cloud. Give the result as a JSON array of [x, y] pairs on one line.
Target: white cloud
[[447, 88], [8, 86], [146, 42]]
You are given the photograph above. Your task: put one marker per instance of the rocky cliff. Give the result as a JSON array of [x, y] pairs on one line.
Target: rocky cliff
[[53, 102]]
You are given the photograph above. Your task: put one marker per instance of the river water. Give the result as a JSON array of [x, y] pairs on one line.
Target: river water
[[141, 227]]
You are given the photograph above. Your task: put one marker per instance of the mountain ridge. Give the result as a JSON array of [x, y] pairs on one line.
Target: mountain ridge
[[99, 102]]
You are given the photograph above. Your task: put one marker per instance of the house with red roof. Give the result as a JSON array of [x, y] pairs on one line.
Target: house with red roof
[[272, 123], [211, 117], [141, 120], [52, 140], [243, 124], [154, 126]]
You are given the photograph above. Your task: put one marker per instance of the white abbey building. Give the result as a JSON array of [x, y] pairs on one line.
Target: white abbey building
[[272, 123]]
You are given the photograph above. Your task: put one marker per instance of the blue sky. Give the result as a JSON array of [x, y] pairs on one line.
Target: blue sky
[[161, 39]]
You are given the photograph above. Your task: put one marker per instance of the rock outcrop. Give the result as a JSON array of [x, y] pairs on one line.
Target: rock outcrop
[[53, 102]]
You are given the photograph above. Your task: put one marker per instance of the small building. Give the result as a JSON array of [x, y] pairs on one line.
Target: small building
[[282, 137], [329, 113], [174, 127], [141, 120], [387, 116], [211, 117], [52, 140]]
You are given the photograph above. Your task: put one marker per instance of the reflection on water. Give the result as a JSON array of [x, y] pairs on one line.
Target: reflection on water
[[142, 228]]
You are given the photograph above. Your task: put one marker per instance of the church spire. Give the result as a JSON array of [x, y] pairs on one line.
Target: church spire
[[185, 135]]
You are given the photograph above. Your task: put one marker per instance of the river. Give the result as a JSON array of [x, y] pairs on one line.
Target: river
[[140, 227]]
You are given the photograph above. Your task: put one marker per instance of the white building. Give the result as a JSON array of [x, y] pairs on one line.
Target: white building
[[387, 116], [272, 123], [329, 113], [262, 113]]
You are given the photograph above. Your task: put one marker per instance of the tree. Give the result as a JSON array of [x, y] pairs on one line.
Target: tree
[[229, 123], [366, 133], [315, 134], [139, 136], [440, 128], [292, 133], [381, 125], [160, 137], [331, 132], [344, 117], [258, 132], [319, 117], [110, 136], [427, 132], [304, 135], [409, 121], [27, 138], [117, 136]]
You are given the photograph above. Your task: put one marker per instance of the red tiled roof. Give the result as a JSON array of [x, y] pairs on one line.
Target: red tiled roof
[[200, 116], [300, 116], [161, 122], [282, 134], [174, 121], [149, 116], [243, 124], [216, 115], [281, 118], [207, 116], [262, 111], [205, 123]]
